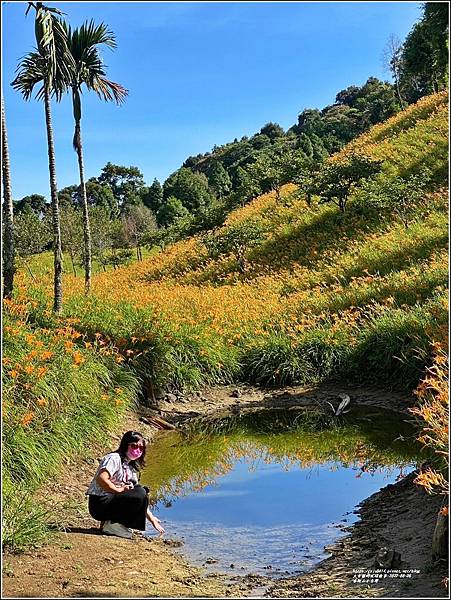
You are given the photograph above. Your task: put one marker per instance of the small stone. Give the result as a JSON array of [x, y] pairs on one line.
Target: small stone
[[387, 558], [170, 398], [236, 394]]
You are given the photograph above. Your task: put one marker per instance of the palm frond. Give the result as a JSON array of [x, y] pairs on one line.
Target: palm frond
[[94, 35], [51, 40], [108, 90], [84, 46], [30, 5], [33, 70]]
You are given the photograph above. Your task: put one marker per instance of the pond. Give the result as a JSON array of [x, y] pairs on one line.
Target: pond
[[264, 492]]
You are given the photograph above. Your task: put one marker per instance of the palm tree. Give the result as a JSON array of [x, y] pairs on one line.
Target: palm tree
[[89, 70], [50, 65], [8, 257]]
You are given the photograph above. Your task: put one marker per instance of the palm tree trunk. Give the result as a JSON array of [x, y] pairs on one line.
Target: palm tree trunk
[[8, 215], [84, 203], [58, 286]]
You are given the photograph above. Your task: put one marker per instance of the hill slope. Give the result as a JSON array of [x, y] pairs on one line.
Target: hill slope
[[322, 294]]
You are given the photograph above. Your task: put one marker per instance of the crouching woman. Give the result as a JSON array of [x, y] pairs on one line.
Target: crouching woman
[[116, 498]]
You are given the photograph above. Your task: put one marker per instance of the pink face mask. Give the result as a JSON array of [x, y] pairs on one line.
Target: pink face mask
[[134, 452]]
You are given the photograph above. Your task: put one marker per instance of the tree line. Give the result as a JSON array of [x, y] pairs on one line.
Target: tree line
[[126, 212]]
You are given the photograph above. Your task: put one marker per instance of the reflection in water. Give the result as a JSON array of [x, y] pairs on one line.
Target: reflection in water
[[261, 491]]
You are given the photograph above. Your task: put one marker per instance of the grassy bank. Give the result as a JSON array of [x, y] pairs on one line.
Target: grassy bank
[[58, 398]]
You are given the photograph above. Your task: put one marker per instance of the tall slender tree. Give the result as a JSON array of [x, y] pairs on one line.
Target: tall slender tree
[[393, 61], [51, 65], [89, 70], [8, 256]]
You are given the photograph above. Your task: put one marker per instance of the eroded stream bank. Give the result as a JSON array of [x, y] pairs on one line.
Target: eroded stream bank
[[81, 563]]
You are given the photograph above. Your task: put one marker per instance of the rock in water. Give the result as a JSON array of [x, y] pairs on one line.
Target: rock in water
[[345, 401]]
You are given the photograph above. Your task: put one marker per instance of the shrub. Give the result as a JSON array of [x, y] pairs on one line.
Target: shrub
[[237, 239], [395, 195], [58, 397]]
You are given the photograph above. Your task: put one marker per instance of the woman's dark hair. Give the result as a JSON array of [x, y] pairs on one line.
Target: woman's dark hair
[[128, 438]]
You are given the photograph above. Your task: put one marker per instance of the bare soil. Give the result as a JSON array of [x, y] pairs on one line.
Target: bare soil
[[81, 562]]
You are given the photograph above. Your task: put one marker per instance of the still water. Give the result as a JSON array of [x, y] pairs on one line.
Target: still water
[[265, 492]]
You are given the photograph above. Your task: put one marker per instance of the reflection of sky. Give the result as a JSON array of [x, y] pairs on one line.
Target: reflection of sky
[[271, 495], [264, 515]]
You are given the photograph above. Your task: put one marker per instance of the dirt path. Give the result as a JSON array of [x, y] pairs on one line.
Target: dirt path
[[81, 562]]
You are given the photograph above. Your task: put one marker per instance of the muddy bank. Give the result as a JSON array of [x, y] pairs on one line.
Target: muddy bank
[[80, 562], [178, 408]]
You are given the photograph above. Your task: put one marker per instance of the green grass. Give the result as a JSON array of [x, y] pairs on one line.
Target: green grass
[[57, 402], [42, 264]]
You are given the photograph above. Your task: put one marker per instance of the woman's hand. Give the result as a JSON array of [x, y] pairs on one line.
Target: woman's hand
[[155, 522], [119, 488]]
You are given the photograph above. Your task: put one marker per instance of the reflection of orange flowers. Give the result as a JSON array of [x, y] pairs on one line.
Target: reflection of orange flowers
[[27, 418], [41, 401], [46, 355], [14, 373], [444, 511]]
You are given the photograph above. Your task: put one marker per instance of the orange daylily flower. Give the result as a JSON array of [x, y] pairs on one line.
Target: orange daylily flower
[[27, 418]]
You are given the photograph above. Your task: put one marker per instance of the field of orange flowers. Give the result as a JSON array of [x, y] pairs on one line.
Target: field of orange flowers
[[321, 284]]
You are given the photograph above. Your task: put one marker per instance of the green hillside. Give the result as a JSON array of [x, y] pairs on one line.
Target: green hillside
[[287, 292]]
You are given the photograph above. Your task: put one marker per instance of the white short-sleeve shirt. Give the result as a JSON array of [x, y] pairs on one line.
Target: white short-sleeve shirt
[[120, 472]]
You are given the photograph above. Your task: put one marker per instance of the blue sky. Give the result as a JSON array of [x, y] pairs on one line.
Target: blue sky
[[198, 74]]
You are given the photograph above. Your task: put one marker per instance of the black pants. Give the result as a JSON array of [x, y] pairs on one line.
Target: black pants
[[128, 508]]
